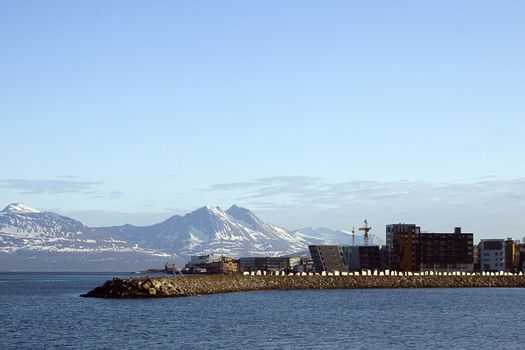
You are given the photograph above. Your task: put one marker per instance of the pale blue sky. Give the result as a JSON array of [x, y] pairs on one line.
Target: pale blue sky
[[309, 113]]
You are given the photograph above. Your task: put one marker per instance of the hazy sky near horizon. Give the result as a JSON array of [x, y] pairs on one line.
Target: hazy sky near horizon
[[309, 114]]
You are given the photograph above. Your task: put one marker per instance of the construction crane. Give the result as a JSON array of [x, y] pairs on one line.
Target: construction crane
[[366, 229]]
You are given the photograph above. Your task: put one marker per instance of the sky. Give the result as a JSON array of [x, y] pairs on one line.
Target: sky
[[307, 113]]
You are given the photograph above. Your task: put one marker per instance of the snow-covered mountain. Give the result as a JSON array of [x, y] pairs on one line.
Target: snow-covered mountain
[[325, 235], [32, 239], [46, 236], [235, 232]]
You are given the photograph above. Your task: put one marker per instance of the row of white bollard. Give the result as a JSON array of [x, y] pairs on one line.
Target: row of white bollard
[[381, 273]]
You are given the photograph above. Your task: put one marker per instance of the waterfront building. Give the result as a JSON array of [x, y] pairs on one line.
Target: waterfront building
[[294, 260], [476, 258], [305, 265], [327, 258], [359, 258], [197, 260], [520, 256], [492, 255], [273, 264], [510, 255], [409, 249], [225, 266], [400, 239], [212, 263]]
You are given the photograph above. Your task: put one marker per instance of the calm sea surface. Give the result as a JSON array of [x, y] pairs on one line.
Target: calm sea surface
[[42, 311]]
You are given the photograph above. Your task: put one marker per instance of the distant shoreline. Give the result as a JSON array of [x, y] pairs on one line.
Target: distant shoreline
[[157, 287]]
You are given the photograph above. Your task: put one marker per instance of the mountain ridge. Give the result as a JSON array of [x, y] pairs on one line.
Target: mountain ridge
[[236, 232], [43, 237]]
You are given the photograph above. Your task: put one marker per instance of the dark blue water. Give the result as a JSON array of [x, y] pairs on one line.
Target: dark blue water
[[45, 311]]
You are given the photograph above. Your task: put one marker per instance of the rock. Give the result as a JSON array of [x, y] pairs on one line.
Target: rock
[[209, 284]]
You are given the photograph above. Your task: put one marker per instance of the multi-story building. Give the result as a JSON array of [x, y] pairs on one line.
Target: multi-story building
[[520, 256], [264, 264], [225, 266], [401, 247], [447, 251], [212, 263], [327, 258], [197, 260], [476, 258], [304, 265], [492, 255], [510, 255], [359, 258], [409, 249]]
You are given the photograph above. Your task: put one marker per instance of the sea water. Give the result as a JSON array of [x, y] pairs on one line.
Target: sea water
[[44, 310]]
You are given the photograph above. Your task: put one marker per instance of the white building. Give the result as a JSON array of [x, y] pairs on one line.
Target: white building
[[492, 255], [204, 259]]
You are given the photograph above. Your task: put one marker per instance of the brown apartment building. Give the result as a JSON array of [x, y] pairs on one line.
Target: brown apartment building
[[409, 249]]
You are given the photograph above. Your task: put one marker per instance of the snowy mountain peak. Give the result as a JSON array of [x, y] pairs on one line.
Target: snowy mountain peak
[[47, 236], [19, 208], [245, 216], [208, 210], [236, 232]]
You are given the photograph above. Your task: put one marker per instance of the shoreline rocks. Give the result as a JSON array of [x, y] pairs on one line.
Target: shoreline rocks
[[157, 287]]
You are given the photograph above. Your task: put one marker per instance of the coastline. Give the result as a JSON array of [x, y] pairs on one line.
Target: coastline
[[160, 287]]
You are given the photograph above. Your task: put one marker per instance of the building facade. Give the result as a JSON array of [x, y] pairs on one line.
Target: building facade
[[196, 260], [401, 246], [213, 264], [327, 258], [273, 264], [492, 255], [225, 266], [510, 255], [359, 258], [520, 256], [409, 249]]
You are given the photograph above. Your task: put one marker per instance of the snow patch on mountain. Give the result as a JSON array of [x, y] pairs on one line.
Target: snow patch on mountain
[[26, 229], [235, 232], [19, 208]]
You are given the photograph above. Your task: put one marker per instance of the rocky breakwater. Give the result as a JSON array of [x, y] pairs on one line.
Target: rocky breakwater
[[156, 287]]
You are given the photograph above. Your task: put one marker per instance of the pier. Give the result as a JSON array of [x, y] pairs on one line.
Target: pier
[[155, 287]]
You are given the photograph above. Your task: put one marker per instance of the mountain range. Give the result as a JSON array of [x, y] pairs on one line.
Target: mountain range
[[39, 240]]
